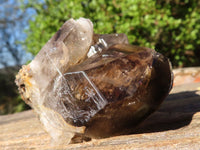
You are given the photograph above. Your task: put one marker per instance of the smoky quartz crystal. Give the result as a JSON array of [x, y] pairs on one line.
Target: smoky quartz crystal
[[92, 85]]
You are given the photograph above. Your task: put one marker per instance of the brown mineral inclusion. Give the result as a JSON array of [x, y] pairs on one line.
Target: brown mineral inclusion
[[91, 85]]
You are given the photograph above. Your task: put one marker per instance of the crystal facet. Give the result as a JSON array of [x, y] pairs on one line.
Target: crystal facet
[[91, 85]]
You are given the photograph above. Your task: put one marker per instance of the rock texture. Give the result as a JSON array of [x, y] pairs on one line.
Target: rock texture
[[176, 125]]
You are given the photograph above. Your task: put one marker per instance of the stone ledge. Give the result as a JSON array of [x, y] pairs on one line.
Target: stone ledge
[[175, 125]]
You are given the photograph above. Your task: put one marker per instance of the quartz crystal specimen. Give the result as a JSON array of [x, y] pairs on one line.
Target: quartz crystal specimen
[[83, 84]]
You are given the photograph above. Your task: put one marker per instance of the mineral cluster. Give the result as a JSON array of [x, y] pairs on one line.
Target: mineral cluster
[[91, 85]]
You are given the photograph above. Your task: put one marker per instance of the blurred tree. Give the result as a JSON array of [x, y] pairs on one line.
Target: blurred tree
[[13, 21], [171, 27]]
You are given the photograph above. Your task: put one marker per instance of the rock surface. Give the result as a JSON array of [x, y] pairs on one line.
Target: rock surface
[[176, 125]]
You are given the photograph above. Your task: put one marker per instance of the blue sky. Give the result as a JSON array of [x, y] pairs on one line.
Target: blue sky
[[13, 22]]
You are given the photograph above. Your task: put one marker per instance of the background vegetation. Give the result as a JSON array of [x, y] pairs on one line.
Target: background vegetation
[[12, 23], [171, 27], [10, 101]]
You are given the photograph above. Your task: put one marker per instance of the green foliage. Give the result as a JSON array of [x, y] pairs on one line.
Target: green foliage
[[170, 27]]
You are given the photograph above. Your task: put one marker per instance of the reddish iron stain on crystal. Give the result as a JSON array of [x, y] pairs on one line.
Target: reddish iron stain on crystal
[[93, 86]]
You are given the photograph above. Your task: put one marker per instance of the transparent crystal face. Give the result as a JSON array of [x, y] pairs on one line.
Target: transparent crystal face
[[80, 103]]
